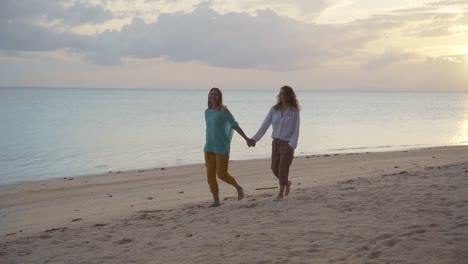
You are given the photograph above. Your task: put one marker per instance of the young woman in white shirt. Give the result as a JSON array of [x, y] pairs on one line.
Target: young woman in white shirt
[[284, 117]]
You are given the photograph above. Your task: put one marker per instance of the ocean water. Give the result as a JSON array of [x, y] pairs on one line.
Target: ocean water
[[50, 132]]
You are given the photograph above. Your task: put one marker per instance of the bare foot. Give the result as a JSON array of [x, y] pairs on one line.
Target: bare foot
[[215, 204], [240, 193], [286, 191], [277, 199]]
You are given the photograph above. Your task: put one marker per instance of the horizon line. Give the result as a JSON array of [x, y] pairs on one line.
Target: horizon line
[[229, 89]]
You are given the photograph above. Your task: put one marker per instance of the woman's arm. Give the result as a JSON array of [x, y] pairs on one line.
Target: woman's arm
[[236, 127], [295, 135], [250, 142], [264, 127]]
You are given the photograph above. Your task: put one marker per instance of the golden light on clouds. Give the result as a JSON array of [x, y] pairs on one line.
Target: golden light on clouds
[[464, 50], [362, 40]]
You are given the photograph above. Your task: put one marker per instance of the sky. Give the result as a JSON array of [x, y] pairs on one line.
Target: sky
[[374, 45]]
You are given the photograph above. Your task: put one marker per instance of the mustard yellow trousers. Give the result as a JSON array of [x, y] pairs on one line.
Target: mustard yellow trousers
[[217, 164]]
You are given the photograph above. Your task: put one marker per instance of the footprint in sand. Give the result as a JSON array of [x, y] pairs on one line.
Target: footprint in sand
[[61, 229], [391, 242], [123, 241], [374, 255], [461, 225], [361, 249], [312, 250], [252, 205], [384, 236], [106, 238], [414, 232], [24, 252]]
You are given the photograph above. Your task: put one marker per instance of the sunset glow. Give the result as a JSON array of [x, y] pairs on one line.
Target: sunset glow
[[464, 50], [253, 44]]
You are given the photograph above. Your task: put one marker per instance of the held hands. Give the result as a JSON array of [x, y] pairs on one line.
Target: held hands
[[250, 142]]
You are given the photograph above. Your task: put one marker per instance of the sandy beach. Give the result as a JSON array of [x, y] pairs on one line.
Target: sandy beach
[[383, 207]]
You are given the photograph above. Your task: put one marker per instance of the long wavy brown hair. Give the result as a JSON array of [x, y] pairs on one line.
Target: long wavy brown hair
[[220, 101], [290, 96]]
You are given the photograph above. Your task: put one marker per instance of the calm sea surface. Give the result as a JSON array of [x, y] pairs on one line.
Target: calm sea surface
[[47, 132]]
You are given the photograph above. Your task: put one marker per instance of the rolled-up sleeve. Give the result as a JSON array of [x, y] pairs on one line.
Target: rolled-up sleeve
[[264, 127], [295, 134]]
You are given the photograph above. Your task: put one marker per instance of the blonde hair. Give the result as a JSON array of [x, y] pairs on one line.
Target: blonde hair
[[220, 100]]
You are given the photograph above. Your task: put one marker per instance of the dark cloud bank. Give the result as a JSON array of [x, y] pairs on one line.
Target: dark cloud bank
[[232, 40]]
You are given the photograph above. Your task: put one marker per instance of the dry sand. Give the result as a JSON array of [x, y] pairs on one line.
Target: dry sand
[[389, 207]]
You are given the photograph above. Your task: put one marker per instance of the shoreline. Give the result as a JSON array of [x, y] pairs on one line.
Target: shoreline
[[135, 209], [341, 151]]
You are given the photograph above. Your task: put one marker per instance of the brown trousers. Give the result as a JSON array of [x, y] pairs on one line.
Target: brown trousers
[[281, 158]]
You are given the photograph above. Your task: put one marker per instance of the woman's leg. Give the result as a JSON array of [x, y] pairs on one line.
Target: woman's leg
[[286, 155], [222, 164], [210, 162], [275, 158]]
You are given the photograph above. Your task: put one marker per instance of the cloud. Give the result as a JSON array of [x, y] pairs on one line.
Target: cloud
[[28, 10], [447, 3], [83, 13], [232, 40], [263, 40], [31, 25], [305, 10], [453, 59], [21, 36], [435, 31], [34, 10], [390, 56], [239, 40], [429, 23]]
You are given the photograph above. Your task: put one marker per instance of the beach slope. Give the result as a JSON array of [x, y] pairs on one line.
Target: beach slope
[[387, 207]]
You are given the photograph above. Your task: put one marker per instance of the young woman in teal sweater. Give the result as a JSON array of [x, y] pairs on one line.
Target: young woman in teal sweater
[[219, 130]]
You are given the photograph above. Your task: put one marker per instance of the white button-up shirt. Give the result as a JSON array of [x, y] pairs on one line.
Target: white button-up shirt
[[285, 126]]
